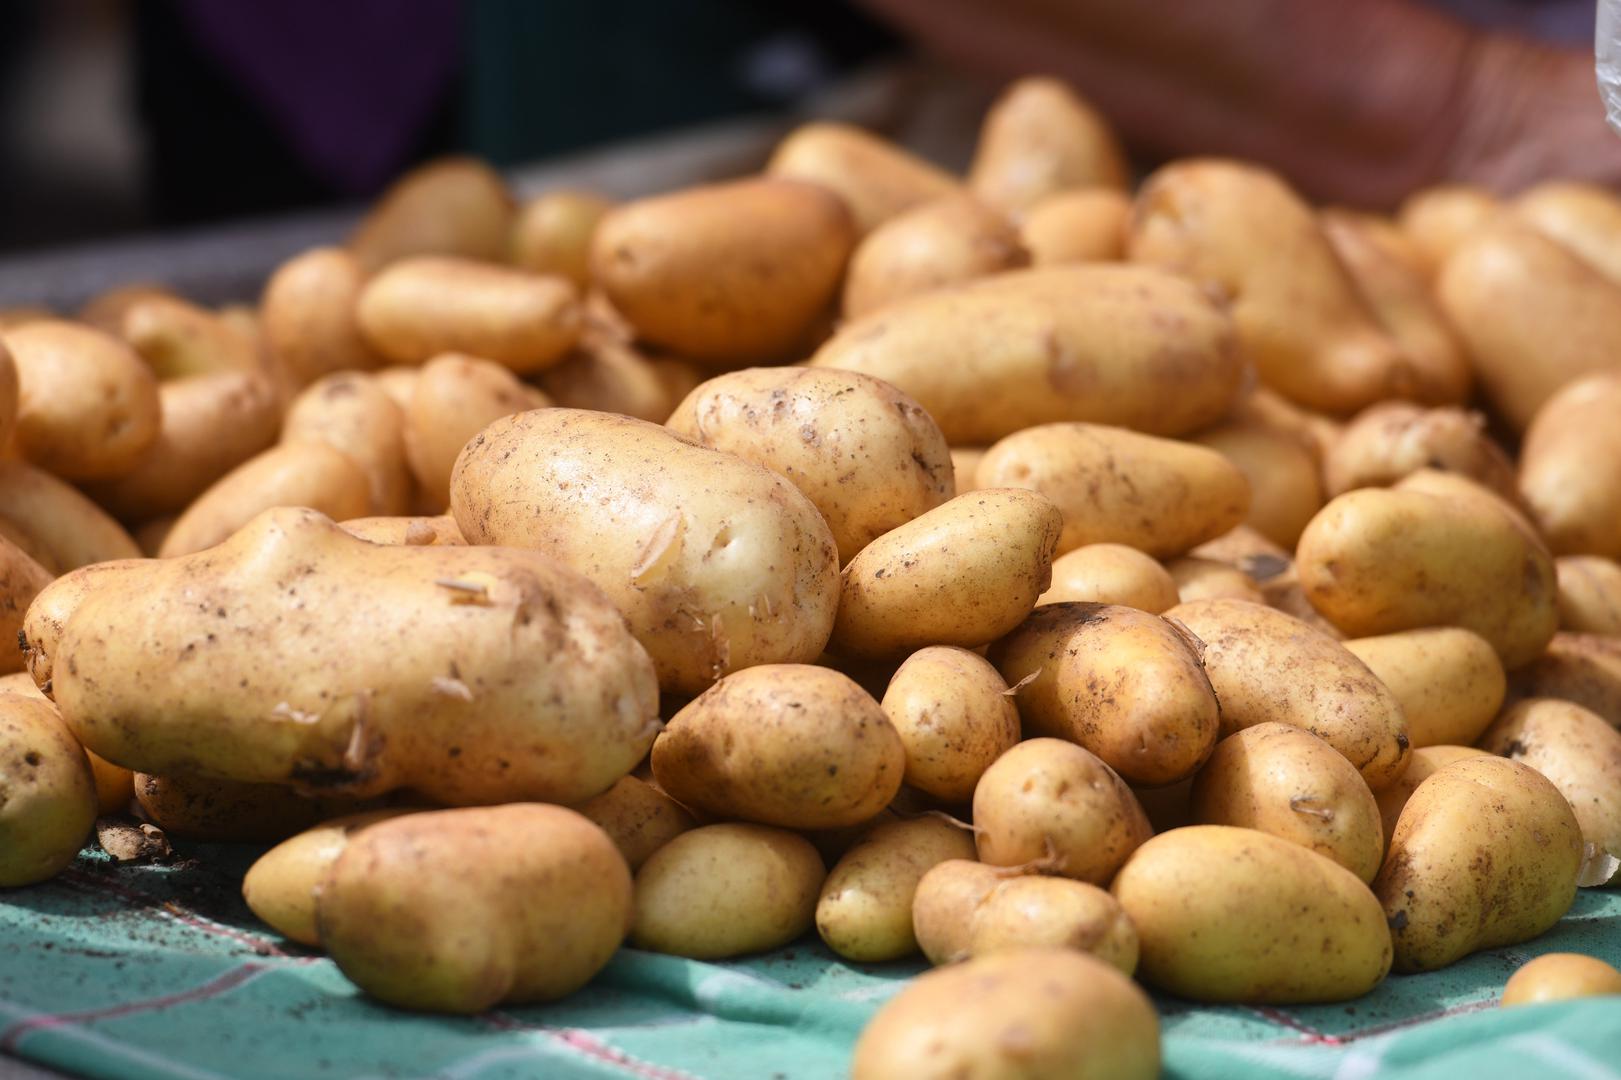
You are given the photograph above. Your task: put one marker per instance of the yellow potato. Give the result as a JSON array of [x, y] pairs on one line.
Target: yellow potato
[[1393, 440], [1560, 977], [1040, 138], [1033, 910], [48, 615], [353, 415], [456, 397], [726, 890], [793, 745], [1486, 853], [1054, 804], [1438, 219], [1109, 344], [955, 717], [964, 573], [308, 315], [205, 808], [553, 234], [105, 310], [1077, 226], [60, 528], [1231, 915], [1424, 763], [1583, 668], [47, 793], [1111, 574], [1570, 467], [1267, 408], [1026, 1014], [943, 905], [1285, 489], [177, 339], [21, 579], [608, 375], [1589, 594], [1583, 218], [398, 381], [876, 179], [1126, 685], [115, 785], [1207, 579], [280, 886], [1115, 486], [638, 817], [451, 206], [717, 563], [415, 531], [1448, 680], [942, 242], [864, 912]]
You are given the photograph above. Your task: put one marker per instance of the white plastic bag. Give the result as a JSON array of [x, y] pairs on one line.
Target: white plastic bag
[[1607, 47]]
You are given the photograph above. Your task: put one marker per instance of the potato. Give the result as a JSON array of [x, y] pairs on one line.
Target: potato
[[1393, 440], [1053, 912], [1040, 138], [456, 397], [717, 563], [309, 319], [496, 675], [1207, 579], [1285, 489], [1299, 316], [1266, 666], [47, 616], [47, 793], [352, 414], [105, 310], [281, 885], [726, 890], [964, 573], [1589, 594], [1265, 407], [399, 382], [1581, 754], [1244, 548], [1108, 344], [638, 817], [1486, 853], [87, 407], [1116, 486], [782, 744], [964, 461], [60, 528], [1055, 804], [1560, 977], [1227, 915], [955, 717], [1570, 467], [12, 316], [1031, 1014], [1376, 561], [730, 273], [1111, 574], [944, 902], [942, 242], [21, 579], [211, 424], [1126, 685], [8, 394], [177, 338], [1448, 680], [1424, 763], [204, 808], [295, 474], [115, 785], [553, 234], [1438, 219], [864, 912], [864, 453], [450, 206], [608, 375], [1532, 315], [1583, 668], [1585, 219], [415, 531], [876, 178], [459, 910], [1285, 781], [1076, 226]]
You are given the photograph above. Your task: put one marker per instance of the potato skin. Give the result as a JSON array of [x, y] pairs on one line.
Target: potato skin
[[415, 912], [1208, 579], [864, 453], [281, 884], [964, 573], [205, 808], [1437, 219], [553, 234], [864, 912], [1111, 574], [717, 563], [1560, 977], [58, 527], [726, 890], [177, 338], [47, 794], [449, 206], [413, 531], [944, 902], [1285, 490], [1052, 802], [1583, 668], [352, 414], [944, 241], [1449, 681], [21, 579], [1034, 910], [1589, 594], [454, 398], [1116, 486], [496, 675], [792, 745], [955, 716], [1570, 467], [874, 177], [1030, 1014], [1126, 685], [1395, 439], [1425, 762], [1079, 225], [638, 817], [1486, 853], [1039, 138], [308, 316], [47, 616], [608, 375]]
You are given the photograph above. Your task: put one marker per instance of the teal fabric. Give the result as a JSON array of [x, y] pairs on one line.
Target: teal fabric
[[131, 973]]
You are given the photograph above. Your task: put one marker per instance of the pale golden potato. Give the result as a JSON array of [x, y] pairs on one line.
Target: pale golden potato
[[416, 531], [1583, 668], [638, 817], [1570, 467], [47, 616], [1589, 594], [352, 414], [1040, 138], [864, 912], [308, 315], [1388, 442], [955, 716], [207, 808], [1034, 910], [1111, 574], [115, 785], [943, 905], [1449, 681], [1424, 762], [1076, 226], [454, 398], [608, 375], [944, 241], [875, 178], [22, 578], [177, 338], [1560, 977], [1438, 219], [1582, 218], [1285, 488], [55, 524], [553, 234], [47, 793], [1208, 579], [449, 206], [280, 886]]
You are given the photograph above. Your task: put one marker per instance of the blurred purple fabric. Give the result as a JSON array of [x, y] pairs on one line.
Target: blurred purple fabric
[[351, 83]]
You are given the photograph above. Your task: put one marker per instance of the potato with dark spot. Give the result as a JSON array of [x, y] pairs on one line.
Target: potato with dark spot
[[1560, 977], [638, 817], [1040, 138], [1583, 668], [1075, 226], [876, 178], [55, 524], [1424, 762], [1449, 681], [1570, 467], [454, 398], [944, 241], [281, 886], [1395, 439], [1589, 594], [864, 912], [47, 794], [449, 206], [352, 414], [955, 716], [1111, 574], [1035, 910]]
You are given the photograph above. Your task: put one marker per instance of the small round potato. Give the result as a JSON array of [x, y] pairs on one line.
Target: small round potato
[[1560, 977], [352, 414], [1285, 490], [456, 397], [281, 885], [1111, 574], [1570, 467], [553, 234], [1423, 763], [865, 909], [1449, 681], [955, 716], [726, 890], [947, 240], [1589, 594], [1033, 910], [308, 315], [47, 793], [876, 178], [449, 206], [1079, 225], [944, 902], [638, 817], [1039, 138], [1395, 439]]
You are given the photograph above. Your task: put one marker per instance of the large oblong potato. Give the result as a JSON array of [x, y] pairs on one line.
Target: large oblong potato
[[867, 455], [47, 793], [281, 885], [1589, 594], [864, 912], [1108, 344], [955, 716], [1228, 914], [1570, 467], [1395, 439], [448, 206], [944, 241], [964, 573], [1036, 910], [792, 745], [717, 563], [1040, 138], [876, 178], [352, 414], [453, 399], [1449, 681], [308, 315], [1111, 574]]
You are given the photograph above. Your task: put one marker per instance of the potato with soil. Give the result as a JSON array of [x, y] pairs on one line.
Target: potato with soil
[[281, 886], [454, 398], [449, 206], [1040, 138], [864, 912], [717, 563], [230, 811], [47, 793], [1570, 467], [1081, 225], [1560, 977], [955, 716], [1393, 440], [349, 412], [1035, 910], [638, 817], [1111, 574], [875, 178], [1449, 681], [1589, 594], [942, 242]]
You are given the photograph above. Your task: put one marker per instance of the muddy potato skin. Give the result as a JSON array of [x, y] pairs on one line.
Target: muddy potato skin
[[51, 520], [1269, 666], [955, 716], [717, 563], [726, 890], [21, 579], [1285, 489], [1486, 853], [1159, 496], [205, 808], [47, 793], [1424, 763], [458, 910], [864, 912], [495, 674], [553, 234], [792, 745], [638, 818], [1027, 1014], [876, 178], [1583, 668], [964, 573], [1107, 344], [1035, 910], [1560, 977], [1047, 799], [1589, 594], [864, 453], [1040, 138], [456, 397], [1570, 468], [417, 531], [942, 242], [1285, 781], [944, 902], [1581, 754], [280, 886], [1449, 681], [352, 414], [450, 206], [1111, 574], [1082, 225], [1126, 685], [308, 315], [1395, 439]]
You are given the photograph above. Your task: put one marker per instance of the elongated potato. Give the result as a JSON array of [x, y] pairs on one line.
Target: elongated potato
[[1438, 219], [1036, 910], [876, 178], [638, 817], [231, 811], [414, 531], [398, 381], [454, 398], [21, 579], [1111, 574], [355, 416], [1208, 579], [1108, 344], [1589, 594], [308, 315], [608, 375], [1570, 467], [944, 902], [1582, 218], [955, 717], [280, 887], [1081, 225], [942, 242], [1449, 681], [864, 912], [1228, 914], [1040, 138], [745, 574], [1396, 439], [553, 234], [1285, 489], [1424, 763], [1560, 977], [60, 528], [450, 206], [47, 794], [1584, 668]]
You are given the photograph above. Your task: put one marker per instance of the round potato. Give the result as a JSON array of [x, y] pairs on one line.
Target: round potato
[[1589, 594], [638, 817], [875, 178], [864, 912], [308, 315], [450, 206], [1111, 574], [1076, 226], [1560, 977], [454, 398], [1395, 439], [1033, 910], [58, 527], [280, 887], [47, 793], [955, 717], [947, 240], [943, 905], [1424, 762], [553, 234], [352, 414], [1570, 467], [1449, 681], [1040, 138], [1285, 490]]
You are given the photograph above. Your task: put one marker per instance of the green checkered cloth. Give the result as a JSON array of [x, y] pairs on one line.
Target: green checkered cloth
[[142, 973]]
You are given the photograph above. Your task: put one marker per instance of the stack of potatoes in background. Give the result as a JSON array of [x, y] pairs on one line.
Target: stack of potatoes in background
[[1012, 569]]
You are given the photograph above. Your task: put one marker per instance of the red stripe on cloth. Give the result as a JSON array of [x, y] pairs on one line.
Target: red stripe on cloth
[[1312, 1035], [587, 1044], [262, 946], [1422, 1018], [231, 979]]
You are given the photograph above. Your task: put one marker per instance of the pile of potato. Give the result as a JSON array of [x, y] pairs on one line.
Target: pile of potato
[[1066, 583]]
